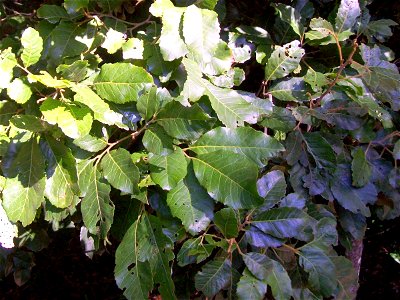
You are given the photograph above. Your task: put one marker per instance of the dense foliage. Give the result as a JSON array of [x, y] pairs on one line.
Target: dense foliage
[[134, 121]]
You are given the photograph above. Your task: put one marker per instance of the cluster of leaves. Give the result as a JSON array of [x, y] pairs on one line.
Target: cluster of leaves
[[123, 119]]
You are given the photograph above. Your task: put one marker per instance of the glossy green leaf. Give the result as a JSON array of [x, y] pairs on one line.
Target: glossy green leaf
[[214, 276], [32, 45], [77, 71], [348, 12], [120, 171], [256, 145], [292, 89], [47, 80], [291, 16], [85, 170], [190, 203], [29, 123], [272, 187], [19, 91], [131, 274], [7, 64], [121, 82], [101, 109], [227, 220], [361, 170], [321, 270], [7, 110], [194, 250], [271, 272], [251, 288], [201, 33], [157, 141], [74, 120], [171, 44], [113, 41], [133, 49], [62, 178], [347, 278], [64, 42], [153, 247], [320, 150], [284, 60], [229, 178], [232, 107], [181, 122], [91, 143], [167, 171], [52, 13], [74, 5], [152, 101], [97, 207], [351, 198], [283, 222], [24, 187]]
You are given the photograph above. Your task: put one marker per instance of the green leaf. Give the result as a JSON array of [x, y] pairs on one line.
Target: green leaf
[[256, 145], [228, 177], [272, 187], [73, 6], [97, 207], [201, 33], [171, 44], [64, 41], [194, 250], [321, 30], [47, 80], [131, 274], [187, 123], [29, 123], [347, 278], [121, 82], [152, 101], [52, 13], [292, 89], [24, 188], [7, 110], [283, 222], [320, 149], [214, 276], [113, 41], [352, 199], [251, 288], [62, 178], [284, 60], [84, 171], [7, 64], [291, 16], [101, 109], [347, 15], [120, 171], [321, 270], [233, 108], [157, 141], [361, 170], [153, 247], [316, 80], [167, 171], [190, 203], [77, 71], [133, 49], [91, 143], [74, 120], [32, 45], [19, 91], [227, 221], [270, 272]]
